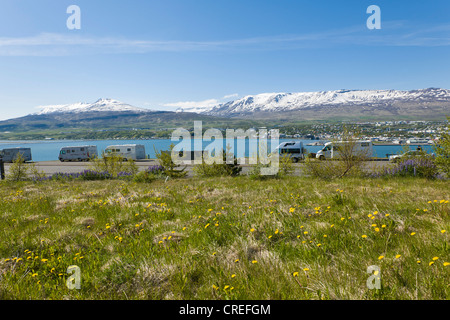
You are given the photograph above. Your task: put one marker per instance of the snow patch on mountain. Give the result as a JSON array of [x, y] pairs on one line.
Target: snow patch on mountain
[[275, 102], [105, 105]]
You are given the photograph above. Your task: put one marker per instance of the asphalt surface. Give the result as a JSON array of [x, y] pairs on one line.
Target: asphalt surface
[[51, 167]]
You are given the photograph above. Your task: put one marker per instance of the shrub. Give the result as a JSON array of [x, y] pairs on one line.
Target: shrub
[[442, 150], [20, 171], [113, 164], [349, 163], [150, 174], [413, 167], [169, 167], [218, 169]]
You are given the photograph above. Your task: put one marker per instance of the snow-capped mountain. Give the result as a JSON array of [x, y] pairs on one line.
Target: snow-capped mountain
[[272, 103], [101, 105]]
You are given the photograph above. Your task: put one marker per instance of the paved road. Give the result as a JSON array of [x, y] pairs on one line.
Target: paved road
[[51, 167]]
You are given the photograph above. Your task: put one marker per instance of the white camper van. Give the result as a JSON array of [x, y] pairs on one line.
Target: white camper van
[[293, 149], [81, 153], [10, 154], [331, 149], [127, 151]]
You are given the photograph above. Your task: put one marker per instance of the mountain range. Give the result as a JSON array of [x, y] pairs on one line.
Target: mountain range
[[424, 103], [261, 109]]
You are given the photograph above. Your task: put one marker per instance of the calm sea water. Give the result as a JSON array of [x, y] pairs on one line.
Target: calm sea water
[[48, 150]]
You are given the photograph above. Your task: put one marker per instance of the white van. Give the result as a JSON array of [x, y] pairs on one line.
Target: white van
[[127, 151], [80, 153], [293, 149], [10, 154], [331, 149]]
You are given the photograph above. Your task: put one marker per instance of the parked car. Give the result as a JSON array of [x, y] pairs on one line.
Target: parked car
[[411, 153]]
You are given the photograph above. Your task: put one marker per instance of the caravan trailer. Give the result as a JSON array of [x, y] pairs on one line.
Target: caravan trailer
[[331, 149], [293, 149], [80, 153], [127, 151], [10, 154]]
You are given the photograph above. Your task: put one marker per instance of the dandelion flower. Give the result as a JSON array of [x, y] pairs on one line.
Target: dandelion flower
[[431, 263], [233, 275], [413, 233], [443, 231], [252, 230], [435, 258], [254, 261], [446, 264], [305, 269], [237, 260], [380, 257], [377, 229], [363, 236], [398, 256], [295, 274]]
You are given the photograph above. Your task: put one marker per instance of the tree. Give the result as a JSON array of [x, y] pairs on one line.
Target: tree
[[170, 168], [350, 159], [19, 170], [442, 150]]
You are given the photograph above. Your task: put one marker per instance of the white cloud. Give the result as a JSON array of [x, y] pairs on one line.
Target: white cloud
[[393, 33], [199, 106], [231, 96]]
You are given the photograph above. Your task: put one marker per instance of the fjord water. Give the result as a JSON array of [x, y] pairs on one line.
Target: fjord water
[[48, 150]]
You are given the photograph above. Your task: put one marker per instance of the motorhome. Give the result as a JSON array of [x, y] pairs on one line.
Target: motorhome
[[127, 151], [293, 149], [10, 154], [79, 153], [332, 150]]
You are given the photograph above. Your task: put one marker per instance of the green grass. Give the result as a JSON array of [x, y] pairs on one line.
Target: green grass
[[225, 238]]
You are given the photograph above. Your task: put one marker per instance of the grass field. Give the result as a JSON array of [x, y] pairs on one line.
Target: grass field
[[226, 238]]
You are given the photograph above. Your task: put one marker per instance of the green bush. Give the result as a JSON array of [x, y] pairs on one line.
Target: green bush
[[169, 167], [113, 164], [442, 150], [218, 169]]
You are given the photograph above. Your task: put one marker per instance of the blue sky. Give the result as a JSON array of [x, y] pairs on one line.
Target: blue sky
[[167, 53]]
